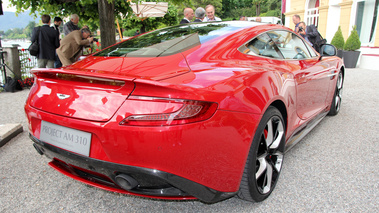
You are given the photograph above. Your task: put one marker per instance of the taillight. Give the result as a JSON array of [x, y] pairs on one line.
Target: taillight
[[167, 112]]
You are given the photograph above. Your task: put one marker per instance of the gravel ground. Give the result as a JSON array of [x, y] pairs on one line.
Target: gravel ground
[[333, 169]]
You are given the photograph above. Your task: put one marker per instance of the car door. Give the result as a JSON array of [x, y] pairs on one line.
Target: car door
[[311, 75]]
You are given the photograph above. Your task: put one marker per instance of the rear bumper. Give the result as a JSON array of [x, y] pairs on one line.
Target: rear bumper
[[151, 183]]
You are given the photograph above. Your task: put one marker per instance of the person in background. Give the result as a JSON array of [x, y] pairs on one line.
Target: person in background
[[86, 46], [199, 14], [188, 16], [72, 44], [258, 19], [136, 33], [48, 41], [210, 10], [242, 18], [310, 34], [71, 25], [296, 20], [57, 23]]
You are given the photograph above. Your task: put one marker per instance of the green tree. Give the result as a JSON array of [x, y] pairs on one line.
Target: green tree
[[267, 7], [29, 29], [15, 33], [94, 13], [90, 12], [338, 41], [352, 42], [8, 32], [258, 4], [236, 8], [144, 25], [217, 4]]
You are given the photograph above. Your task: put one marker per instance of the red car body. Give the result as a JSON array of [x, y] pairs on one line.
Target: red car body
[[203, 156]]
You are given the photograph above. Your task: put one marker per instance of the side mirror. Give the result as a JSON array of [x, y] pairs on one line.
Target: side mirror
[[328, 50]]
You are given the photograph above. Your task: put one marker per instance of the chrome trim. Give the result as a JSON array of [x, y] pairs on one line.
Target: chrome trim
[[333, 74], [62, 96]]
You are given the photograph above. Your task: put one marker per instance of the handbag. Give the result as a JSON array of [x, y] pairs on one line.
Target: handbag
[[12, 85], [34, 47]]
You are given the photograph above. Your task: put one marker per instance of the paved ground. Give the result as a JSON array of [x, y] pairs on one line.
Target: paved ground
[[333, 169]]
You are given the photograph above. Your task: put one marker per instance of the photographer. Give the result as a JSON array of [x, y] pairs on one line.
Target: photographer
[[72, 44], [88, 48], [310, 34]]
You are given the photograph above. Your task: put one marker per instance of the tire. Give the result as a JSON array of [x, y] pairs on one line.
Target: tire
[[264, 161], [337, 98]]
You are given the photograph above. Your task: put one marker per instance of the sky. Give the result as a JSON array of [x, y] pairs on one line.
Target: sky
[[5, 6]]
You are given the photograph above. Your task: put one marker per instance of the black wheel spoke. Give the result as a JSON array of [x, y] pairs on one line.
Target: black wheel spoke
[[268, 179], [262, 167]]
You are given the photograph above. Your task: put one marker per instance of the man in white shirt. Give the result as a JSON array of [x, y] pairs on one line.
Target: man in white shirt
[[210, 10]]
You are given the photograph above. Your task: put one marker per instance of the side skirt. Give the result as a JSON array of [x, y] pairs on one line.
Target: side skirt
[[304, 130]]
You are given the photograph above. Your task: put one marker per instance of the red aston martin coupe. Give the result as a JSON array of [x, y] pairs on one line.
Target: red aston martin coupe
[[199, 111]]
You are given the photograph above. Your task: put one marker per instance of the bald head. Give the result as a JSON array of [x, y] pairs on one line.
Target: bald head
[[188, 13]]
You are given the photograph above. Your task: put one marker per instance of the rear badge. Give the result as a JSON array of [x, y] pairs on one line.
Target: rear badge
[[62, 96]]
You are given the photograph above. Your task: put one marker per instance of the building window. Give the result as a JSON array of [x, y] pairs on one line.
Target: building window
[[311, 12], [366, 18]]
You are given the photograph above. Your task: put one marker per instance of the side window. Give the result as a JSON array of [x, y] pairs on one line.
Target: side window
[[311, 50], [289, 44], [261, 45]]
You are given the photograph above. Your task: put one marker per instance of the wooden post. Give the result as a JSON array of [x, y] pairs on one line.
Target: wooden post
[[119, 30]]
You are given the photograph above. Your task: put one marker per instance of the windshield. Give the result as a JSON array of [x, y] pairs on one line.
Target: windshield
[[169, 40]]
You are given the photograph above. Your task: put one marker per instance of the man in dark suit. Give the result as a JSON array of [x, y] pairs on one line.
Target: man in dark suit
[[48, 41], [310, 34], [199, 14], [57, 23], [188, 16]]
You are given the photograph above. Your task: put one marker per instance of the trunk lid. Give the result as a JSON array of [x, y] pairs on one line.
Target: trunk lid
[[96, 87]]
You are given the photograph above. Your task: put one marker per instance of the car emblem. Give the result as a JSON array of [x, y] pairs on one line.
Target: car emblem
[[62, 96]]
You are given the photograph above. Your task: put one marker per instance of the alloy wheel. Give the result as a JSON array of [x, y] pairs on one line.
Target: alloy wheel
[[269, 156], [339, 90]]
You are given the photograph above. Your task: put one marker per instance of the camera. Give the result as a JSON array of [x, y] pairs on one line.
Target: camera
[[301, 29], [95, 40]]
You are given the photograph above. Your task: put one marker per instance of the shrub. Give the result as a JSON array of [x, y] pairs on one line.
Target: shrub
[[338, 41], [129, 33], [352, 43]]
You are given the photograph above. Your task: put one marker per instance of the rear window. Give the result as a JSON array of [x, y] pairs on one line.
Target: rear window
[[169, 40]]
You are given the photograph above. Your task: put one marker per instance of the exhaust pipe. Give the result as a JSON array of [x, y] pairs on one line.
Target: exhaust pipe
[[126, 182]]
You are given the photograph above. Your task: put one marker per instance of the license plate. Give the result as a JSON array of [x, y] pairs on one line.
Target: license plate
[[66, 138]]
